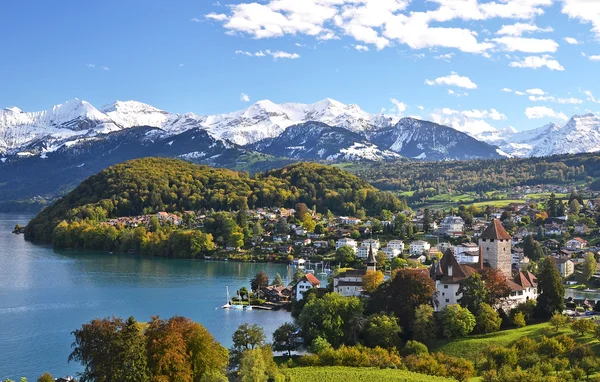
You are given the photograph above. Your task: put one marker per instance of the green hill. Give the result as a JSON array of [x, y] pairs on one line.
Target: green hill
[[150, 185]]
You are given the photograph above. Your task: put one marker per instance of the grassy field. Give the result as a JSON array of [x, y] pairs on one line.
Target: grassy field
[[354, 374], [473, 346]]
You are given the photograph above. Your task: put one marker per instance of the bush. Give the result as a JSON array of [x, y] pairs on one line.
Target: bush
[[583, 325], [488, 320], [414, 347], [456, 321], [518, 320]]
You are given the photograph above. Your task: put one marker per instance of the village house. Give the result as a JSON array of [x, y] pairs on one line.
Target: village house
[[281, 238], [302, 242], [495, 252], [396, 244], [349, 220], [576, 244], [452, 226], [467, 253], [418, 257], [565, 266], [345, 242], [307, 282], [300, 231], [391, 253], [365, 246], [418, 247], [276, 294], [349, 283], [581, 229], [320, 244], [553, 229]]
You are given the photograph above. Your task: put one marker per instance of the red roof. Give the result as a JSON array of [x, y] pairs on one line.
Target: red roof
[[312, 279], [495, 231]]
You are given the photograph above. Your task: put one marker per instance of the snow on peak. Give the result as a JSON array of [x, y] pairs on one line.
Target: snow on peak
[[13, 109], [133, 113]]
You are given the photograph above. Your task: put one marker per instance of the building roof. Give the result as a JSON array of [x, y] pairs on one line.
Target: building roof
[[459, 271], [371, 257], [495, 231], [311, 279]]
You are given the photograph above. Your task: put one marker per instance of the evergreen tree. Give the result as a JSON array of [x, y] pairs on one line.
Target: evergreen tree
[[426, 220], [532, 249], [550, 288], [551, 205], [278, 281]]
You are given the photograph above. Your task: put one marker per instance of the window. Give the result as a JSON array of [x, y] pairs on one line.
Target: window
[[445, 286], [491, 240], [447, 300]]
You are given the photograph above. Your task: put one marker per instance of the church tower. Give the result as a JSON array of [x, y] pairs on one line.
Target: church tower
[[371, 261], [495, 248]]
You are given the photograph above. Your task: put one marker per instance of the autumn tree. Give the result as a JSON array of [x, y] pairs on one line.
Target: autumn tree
[[496, 285], [372, 280], [259, 281], [46, 377]]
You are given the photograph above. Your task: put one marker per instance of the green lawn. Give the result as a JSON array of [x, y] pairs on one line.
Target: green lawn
[[356, 374], [472, 347]]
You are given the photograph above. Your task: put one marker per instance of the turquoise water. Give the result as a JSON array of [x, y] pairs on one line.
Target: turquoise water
[[46, 294]]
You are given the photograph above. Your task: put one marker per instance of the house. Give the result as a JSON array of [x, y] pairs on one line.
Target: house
[[349, 283], [300, 231], [452, 226], [593, 204], [443, 246], [320, 244], [308, 251], [396, 244], [349, 220], [554, 229], [418, 257], [565, 266], [391, 252], [365, 246], [467, 253], [576, 244], [276, 294], [307, 282], [418, 247], [581, 229], [302, 242], [347, 243], [281, 238], [284, 249]]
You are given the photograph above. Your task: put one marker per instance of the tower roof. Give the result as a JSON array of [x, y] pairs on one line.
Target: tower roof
[[371, 257], [495, 231]]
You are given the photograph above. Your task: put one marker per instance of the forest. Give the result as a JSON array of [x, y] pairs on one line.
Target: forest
[[151, 185], [434, 178]]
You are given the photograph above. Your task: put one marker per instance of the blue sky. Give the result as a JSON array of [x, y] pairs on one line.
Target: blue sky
[[443, 60]]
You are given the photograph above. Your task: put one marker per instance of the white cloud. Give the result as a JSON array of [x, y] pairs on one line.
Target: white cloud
[[400, 106], [539, 112], [536, 62], [275, 54], [91, 66], [216, 17], [244, 97], [590, 96], [571, 100], [421, 107], [445, 57], [535, 91], [105, 68], [519, 28], [507, 90], [571, 40], [181, 65], [361, 48], [587, 11], [519, 93], [196, 20], [453, 80], [594, 58], [527, 45]]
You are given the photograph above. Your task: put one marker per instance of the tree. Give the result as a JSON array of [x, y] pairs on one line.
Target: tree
[[408, 289], [488, 320], [474, 293], [285, 338], [382, 259], [319, 345], [344, 255], [133, 352], [558, 320], [331, 317], [245, 338], [551, 290], [383, 331], [319, 229], [456, 321], [278, 282], [574, 207], [496, 285], [257, 365], [46, 377], [308, 223], [532, 249], [423, 326], [236, 240], [426, 220], [583, 326], [518, 320], [589, 267], [372, 280], [259, 281], [551, 205], [298, 275], [301, 210]]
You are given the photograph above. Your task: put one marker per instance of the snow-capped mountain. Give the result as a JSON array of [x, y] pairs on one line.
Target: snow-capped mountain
[[418, 139], [317, 140], [581, 134]]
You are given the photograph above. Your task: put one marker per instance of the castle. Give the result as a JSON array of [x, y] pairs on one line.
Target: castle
[[495, 246]]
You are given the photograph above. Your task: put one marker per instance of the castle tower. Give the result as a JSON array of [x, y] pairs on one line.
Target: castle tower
[[495, 248], [371, 261]]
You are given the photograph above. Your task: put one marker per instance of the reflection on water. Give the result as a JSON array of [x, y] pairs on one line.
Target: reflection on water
[[46, 294]]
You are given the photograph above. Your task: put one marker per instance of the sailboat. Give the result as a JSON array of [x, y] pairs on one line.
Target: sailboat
[[229, 305]]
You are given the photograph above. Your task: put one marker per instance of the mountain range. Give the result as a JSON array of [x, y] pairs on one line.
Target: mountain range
[[66, 143]]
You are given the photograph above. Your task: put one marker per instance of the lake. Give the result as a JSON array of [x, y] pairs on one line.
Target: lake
[[46, 294]]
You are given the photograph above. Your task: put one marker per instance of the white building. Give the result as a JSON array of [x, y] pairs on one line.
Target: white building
[[346, 242], [452, 226], [417, 247], [363, 250], [576, 244], [467, 253], [349, 220], [391, 253], [307, 282], [396, 244]]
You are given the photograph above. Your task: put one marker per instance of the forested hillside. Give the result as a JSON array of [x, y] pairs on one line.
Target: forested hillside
[[150, 185], [477, 175]]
